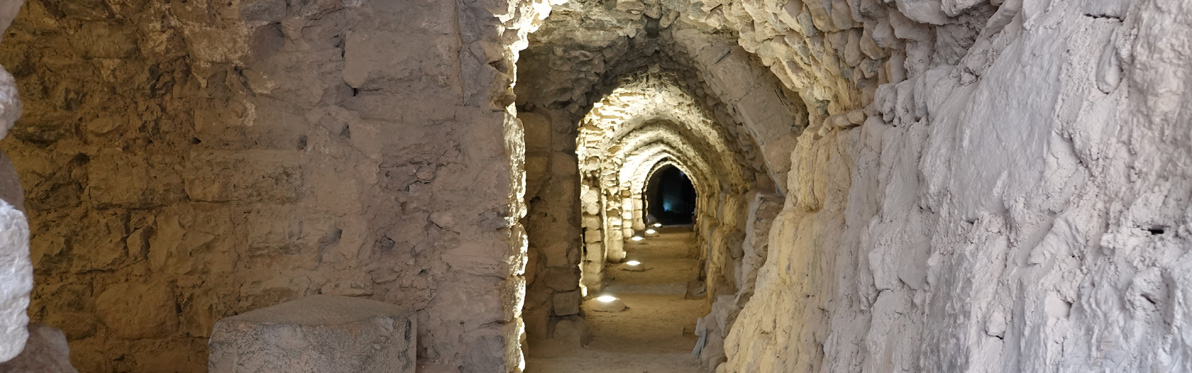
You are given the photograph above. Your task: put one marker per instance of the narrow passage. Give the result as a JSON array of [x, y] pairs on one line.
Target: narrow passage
[[654, 334]]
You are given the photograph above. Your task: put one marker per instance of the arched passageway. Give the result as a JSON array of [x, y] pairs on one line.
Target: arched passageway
[[653, 138], [670, 197], [1005, 181]]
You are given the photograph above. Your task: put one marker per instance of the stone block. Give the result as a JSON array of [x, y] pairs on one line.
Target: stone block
[[45, 352], [321, 333], [562, 279], [133, 180], [563, 164], [105, 40], [556, 254], [734, 74], [138, 311], [100, 244], [16, 280], [537, 132], [263, 10], [573, 333], [491, 259], [92, 10], [248, 176], [566, 303], [294, 234], [765, 114], [375, 60], [536, 166]]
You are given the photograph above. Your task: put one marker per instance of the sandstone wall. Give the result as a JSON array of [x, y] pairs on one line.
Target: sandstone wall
[[187, 161], [1018, 203]]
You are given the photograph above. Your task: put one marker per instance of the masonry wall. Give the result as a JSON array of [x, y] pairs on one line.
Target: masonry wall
[[1019, 203], [188, 161]]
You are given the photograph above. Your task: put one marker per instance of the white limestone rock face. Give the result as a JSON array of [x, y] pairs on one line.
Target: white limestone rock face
[[16, 280], [16, 270], [1024, 206], [320, 333], [45, 352], [10, 104]]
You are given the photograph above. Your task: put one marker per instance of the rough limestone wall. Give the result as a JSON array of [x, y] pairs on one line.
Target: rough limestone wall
[[1021, 203], [745, 261], [187, 161], [721, 241]]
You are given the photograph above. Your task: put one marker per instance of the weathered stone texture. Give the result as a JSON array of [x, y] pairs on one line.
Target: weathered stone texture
[[46, 351], [138, 311], [226, 156], [918, 225], [317, 334], [1002, 180]]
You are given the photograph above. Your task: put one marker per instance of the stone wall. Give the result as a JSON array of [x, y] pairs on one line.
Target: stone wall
[[586, 72], [1000, 179], [1018, 203], [552, 187], [187, 161]]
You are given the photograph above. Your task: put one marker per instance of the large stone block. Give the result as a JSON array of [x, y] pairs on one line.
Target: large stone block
[[537, 131], [316, 334], [249, 176], [45, 352], [138, 311], [133, 180], [566, 303]]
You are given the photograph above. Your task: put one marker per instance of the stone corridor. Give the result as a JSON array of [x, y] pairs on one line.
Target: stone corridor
[[655, 333], [878, 185]]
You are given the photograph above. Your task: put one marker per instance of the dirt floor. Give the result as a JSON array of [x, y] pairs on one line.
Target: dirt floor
[[654, 333]]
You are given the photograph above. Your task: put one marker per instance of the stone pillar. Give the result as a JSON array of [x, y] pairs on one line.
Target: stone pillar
[[639, 215]]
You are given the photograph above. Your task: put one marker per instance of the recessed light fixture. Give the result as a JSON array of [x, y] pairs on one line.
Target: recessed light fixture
[[633, 263], [606, 298], [637, 238], [657, 225], [651, 231]]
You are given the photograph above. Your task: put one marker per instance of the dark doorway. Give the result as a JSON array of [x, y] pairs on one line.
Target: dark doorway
[[670, 197]]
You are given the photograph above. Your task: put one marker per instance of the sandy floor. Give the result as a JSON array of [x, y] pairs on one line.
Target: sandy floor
[[654, 334]]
